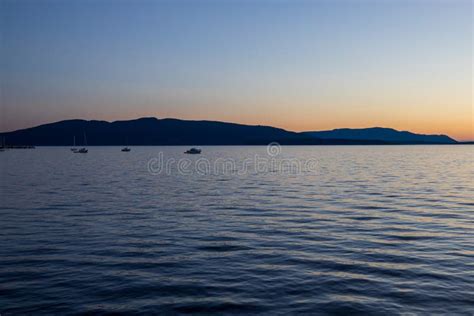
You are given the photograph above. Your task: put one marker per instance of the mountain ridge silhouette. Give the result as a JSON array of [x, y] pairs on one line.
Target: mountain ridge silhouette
[[172, 131]]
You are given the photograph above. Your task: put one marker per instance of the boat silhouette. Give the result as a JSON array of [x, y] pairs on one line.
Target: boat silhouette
[[83, 150], [193, 151]]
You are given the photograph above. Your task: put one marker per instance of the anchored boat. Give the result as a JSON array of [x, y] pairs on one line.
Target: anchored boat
[[83, 150], [193, 151]]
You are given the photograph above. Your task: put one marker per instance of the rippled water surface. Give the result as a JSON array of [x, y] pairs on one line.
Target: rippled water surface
[[368, 230]]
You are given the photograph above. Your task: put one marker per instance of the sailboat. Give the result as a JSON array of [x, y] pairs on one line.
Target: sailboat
[[74, 149], [83, 150], [126, 149], [2, 148]]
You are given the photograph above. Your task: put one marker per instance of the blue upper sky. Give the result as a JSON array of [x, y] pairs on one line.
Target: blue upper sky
[[301, 65]]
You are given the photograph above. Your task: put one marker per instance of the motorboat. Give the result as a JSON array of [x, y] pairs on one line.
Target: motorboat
[[81, 151], [193, 151]]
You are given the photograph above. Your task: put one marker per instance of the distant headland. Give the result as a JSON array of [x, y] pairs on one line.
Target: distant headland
[[168, 131]]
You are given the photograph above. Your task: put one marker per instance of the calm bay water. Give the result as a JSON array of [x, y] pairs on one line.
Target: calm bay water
[[368, 230]]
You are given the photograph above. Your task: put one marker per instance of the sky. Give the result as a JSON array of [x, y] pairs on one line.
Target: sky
[[298, 65]]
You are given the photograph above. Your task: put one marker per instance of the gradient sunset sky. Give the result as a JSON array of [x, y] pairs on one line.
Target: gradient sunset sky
[[299, 65]]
